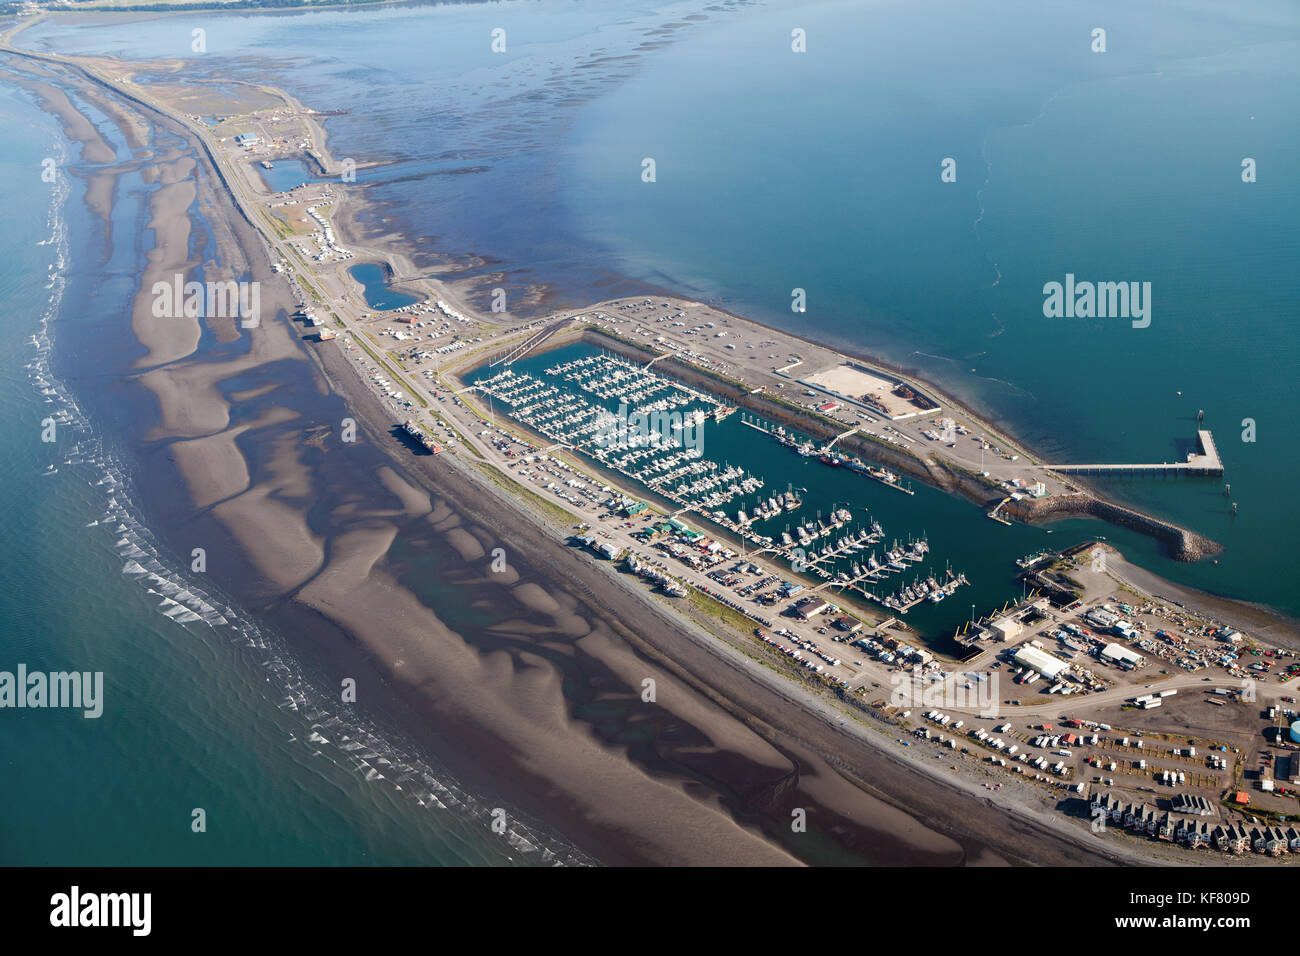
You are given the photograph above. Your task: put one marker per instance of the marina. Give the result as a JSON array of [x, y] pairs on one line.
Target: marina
[[651, 436], [827, 456], [653, 430]]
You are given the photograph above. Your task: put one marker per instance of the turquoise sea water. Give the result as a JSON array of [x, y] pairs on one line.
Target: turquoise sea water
[[378, 295], [821, 172], [285, 174]]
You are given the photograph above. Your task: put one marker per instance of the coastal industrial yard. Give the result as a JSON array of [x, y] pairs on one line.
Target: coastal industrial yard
[[820, 516]]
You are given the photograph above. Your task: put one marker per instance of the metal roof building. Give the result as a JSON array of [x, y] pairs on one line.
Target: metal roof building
[[1041, 661], [1121, 654], [1006, 628]]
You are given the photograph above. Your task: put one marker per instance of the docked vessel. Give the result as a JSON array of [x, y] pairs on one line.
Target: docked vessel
[[420, 435]]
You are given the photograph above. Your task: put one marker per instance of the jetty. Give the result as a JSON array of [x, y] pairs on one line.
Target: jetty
[[530, 343], [1204, 461], [998, 507]]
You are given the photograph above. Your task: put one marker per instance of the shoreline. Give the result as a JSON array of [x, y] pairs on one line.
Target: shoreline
[[1253, 618], [1280, 627]]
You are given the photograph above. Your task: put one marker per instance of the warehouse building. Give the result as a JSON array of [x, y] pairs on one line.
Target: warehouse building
[[1041, 661], [1005, 628], [1288, 765], [1101, 617], [809, 608], [1119, 654]]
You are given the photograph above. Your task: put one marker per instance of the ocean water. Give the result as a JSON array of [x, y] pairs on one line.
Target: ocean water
[[287, 174], [204, 707], [378, 295], [820, 170]]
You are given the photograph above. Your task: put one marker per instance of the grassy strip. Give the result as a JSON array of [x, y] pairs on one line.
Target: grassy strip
[[513, 487], [990, 481], [773, 658], [1269, 816], [716, 609]]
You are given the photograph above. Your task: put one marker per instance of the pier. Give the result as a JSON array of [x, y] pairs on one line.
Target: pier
[[530, 343], [1204, 461], [907, 598], [827, 455], [998, 507], [831, 446]]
